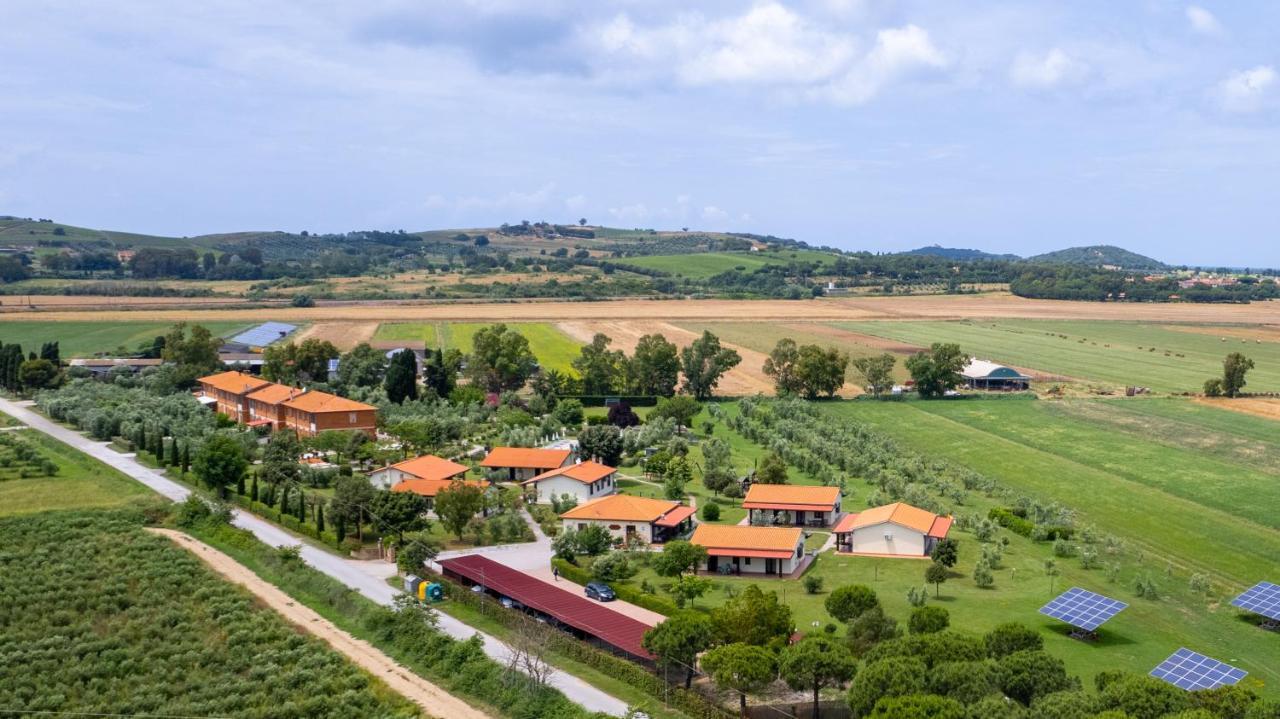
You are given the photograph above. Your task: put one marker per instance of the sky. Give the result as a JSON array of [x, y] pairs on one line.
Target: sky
[[880, 125]]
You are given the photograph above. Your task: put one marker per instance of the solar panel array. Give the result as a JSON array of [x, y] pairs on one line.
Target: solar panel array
[[264, 334], [1262, 598], [1190, 670], [1082, 608]]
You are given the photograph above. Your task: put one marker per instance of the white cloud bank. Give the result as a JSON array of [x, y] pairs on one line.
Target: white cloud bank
[[1203, 21], [1247, 90], [1054, 68]]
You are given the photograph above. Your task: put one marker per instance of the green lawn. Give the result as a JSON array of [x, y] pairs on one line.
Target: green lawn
[[702, 265], [1114, 353], [553, 348], [81, 482], [83, 339]]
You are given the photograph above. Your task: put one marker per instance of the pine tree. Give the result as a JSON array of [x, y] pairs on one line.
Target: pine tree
[[319, 519], [254, 488]]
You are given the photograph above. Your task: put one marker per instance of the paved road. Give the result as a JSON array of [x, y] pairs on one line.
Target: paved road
[[368, 578]]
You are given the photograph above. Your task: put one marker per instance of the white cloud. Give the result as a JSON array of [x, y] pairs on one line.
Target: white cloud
[[898, 53], [1044, 71], [1203, 21], [769, 44], [1246, 90]]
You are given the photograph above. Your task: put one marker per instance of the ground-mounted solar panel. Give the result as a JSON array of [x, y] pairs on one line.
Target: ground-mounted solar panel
[[1082, 609], [1190, 670], [264, 334], [1262, 598]]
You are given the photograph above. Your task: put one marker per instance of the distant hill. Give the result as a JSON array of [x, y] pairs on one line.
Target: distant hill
[[959, 254], [1100, 255]]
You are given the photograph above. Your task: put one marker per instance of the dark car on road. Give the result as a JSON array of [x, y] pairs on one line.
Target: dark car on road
[[600, 592]]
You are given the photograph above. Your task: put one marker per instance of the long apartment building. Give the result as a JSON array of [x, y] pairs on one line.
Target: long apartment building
[[255, 402]]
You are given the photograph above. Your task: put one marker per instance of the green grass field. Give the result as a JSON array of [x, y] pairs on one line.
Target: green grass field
[[81, 482], [84, 339], [1114, 353], [706, 264], [553, 348]]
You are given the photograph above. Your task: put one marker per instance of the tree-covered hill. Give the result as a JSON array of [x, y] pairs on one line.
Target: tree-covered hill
[[1100, 256]]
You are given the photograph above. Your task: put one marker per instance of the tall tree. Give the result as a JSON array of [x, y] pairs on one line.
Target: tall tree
[[781, 366], [814, 663], [38, 374], [398, 512], [220, 462], [601, 368], [456, 504], [311, 360], [821, 372], [741, 667], [602, 442], [280, 459], [704, 362], [677, 557], [772, 470], [440, 371], [753, 617], [678, 641], [681, 408], [197, 351], [654, 368], [401, 382], [363, 366], [1234, 368], [717, 465], [352, 496], [500, 359], [876, 372], [937, 371]]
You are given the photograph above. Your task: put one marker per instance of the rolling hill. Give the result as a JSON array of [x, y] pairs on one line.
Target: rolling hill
[[1099, 256], [959, 254]]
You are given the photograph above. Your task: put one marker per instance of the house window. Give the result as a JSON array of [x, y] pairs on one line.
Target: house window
[[351, 418], [581, 526], [748, 561]]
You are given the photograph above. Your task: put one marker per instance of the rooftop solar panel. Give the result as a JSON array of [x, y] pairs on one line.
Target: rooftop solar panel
[[1262, 598], [1190, 670], [1083, 609], [264, 334]]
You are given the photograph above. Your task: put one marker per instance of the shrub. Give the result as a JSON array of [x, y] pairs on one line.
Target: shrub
[[1012, 637], [928, 620], [1005, 517], [812, 583], [711, 512]]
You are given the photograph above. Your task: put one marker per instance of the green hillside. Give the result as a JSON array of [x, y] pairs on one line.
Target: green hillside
[[1099, 255]]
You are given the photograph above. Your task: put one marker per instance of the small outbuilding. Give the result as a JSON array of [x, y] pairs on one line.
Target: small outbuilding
[[428, 467], [630, 518], [893, 530], [792, 504], [981, 374], [743, 549], [522, 463], [584, 482]]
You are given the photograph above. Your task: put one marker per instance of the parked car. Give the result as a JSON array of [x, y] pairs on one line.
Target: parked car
[[599, 592]]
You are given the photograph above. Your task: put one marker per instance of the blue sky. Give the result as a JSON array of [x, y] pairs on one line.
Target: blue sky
[[863, 124]]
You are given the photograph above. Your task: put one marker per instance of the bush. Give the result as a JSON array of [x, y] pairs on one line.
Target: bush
[[1011, 637], [625, 592], [812, 583], [711, 512], [928, 620], [1010, 521]]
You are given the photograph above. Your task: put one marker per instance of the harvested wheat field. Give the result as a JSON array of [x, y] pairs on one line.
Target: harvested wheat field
[[343, 335], [937, 307], [1267, 407]]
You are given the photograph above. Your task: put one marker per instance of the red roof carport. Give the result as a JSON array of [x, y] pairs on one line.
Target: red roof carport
[[613, 628]]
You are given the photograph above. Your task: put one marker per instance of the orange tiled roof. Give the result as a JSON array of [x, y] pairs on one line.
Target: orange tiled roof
[[316, 401], [432, 487], [273, 393], [232, 381], [522, 458], [622, 508], [429, 466], [790, 494], [585, 472], [899, 513], [736, 536]]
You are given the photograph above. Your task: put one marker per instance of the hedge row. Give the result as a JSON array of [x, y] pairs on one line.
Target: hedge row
[[625, 592], [688, 702], [1010, 521], [288, 521]]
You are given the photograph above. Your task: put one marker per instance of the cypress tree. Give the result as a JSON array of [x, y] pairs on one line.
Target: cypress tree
[[270, 499], [302, 506], [240, 485], [186, 457], [319, 519], [341, 529], [254, 489], [174, 459]]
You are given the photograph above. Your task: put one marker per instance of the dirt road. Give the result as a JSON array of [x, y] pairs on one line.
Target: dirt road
[[433, 700]]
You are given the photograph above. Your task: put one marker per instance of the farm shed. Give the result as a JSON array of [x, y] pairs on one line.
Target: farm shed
[[802, 506], [743, 549], [522, 464], [584, 482], [653, 521], [582, 617], [981, 374], [892, 530]]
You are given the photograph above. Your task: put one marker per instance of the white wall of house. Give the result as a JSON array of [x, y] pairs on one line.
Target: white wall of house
[[619, 529], [757, 565], [558, 486], [901, 540], [388, 477]]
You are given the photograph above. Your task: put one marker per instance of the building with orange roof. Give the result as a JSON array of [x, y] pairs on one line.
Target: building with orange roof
[[893, 530], [523, 463], [792, 504], [265, 405], [744, 549], [584, 482], [632, 518], [427, 467], [229, 390], [429, 488], [311, 412]]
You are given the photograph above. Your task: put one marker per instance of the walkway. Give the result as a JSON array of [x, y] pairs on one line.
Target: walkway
[[369, 578]]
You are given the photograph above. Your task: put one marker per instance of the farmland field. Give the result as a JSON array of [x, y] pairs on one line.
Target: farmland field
[[706, 264], [1166, 358], [81, 338], [553, 348], [80, 481], [101, 617], [763, 337]]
